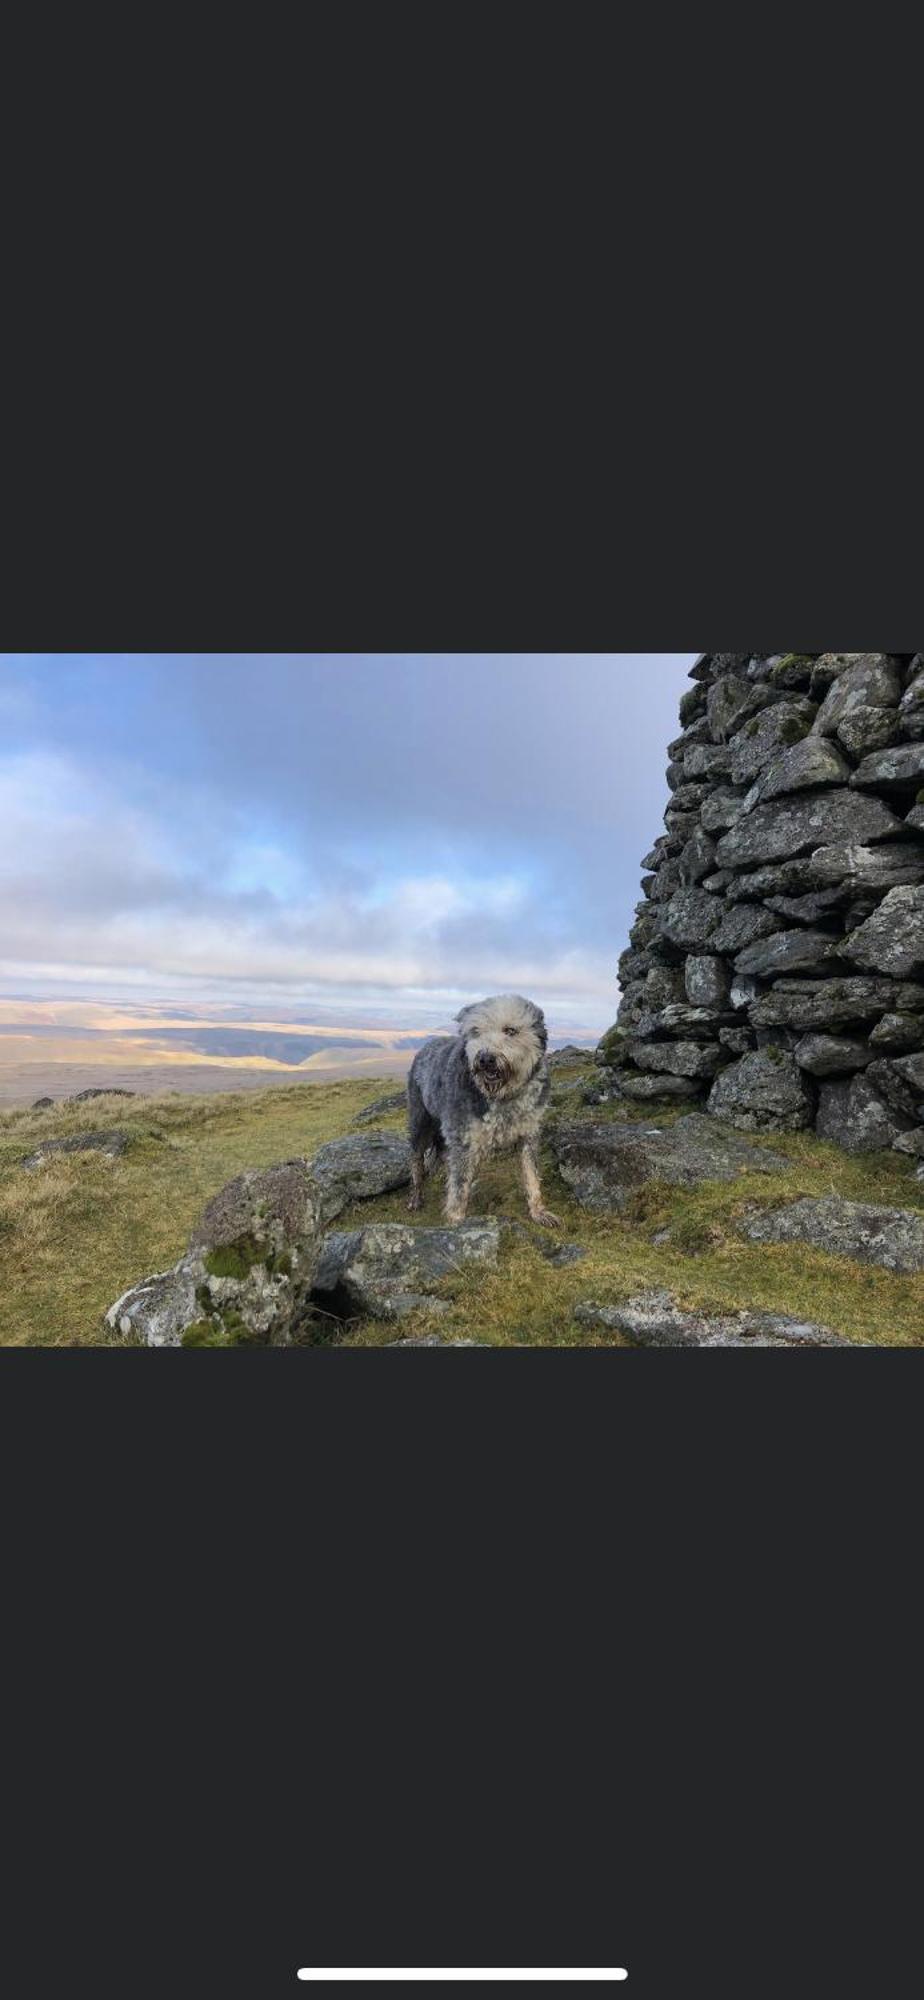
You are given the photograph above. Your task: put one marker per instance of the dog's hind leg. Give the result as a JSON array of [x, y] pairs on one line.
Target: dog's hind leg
[[418, 1176], [423, 1133], [533, 1186]]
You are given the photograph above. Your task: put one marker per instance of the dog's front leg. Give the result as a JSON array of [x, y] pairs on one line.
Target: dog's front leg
[[531, 1182], [459, 1178]]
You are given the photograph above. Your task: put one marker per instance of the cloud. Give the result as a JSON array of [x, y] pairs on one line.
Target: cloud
[[392, 833]]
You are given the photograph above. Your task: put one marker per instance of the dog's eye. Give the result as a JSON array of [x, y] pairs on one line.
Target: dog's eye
[[511, 1031]]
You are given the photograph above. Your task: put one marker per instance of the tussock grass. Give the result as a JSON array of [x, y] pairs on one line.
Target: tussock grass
[[76, 1233]]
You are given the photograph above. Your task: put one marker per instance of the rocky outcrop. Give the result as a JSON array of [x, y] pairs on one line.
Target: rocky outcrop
[[779, 944], [389, 1269], [890, 1237], [605, 1165], [260, 1271], [246, 1276], [382, 1108], [360, 1167], [110, 1144], [654, 1319]]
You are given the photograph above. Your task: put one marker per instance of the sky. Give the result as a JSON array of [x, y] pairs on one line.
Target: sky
[[361, 838]]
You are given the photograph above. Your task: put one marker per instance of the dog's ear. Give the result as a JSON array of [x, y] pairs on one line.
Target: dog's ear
[[462, 1018], [537, 1023]]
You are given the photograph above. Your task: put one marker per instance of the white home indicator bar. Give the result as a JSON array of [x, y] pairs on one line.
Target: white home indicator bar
[[618, 1972]]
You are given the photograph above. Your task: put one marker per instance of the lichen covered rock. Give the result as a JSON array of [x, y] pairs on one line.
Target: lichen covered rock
[[389, 1269], [654, 1319], [765, 1091], [360, 1167], [246, 1276], [605, 1165], [890, 1237]]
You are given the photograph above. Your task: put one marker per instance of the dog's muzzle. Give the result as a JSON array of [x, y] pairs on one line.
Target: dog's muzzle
[[491, 1070]]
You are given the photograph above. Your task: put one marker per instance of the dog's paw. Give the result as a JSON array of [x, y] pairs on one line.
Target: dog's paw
[[415, 1203], [544, 1218]]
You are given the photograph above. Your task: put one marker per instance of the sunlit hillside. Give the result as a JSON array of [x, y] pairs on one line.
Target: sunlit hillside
[[76, 1233]]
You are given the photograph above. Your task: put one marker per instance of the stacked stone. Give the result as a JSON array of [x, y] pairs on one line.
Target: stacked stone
[[776, 965]]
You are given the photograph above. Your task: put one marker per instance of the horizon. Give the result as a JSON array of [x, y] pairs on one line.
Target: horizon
[[352, 841]]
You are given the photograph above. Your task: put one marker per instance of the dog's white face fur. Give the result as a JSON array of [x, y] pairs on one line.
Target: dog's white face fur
[[505, 1040]]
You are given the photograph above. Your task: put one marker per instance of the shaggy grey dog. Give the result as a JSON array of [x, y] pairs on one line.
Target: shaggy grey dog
[[477, 1092]]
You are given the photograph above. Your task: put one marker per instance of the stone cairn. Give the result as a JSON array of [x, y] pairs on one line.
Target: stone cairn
[[776, 965]]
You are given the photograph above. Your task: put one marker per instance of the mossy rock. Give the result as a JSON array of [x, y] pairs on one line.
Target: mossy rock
[[223, 1330], [203, 1333], [787, 664], [612, 1048], [235, 1260]]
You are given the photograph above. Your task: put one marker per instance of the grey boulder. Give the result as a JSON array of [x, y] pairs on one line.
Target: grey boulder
[[853, 866], [388, 1269], [654, 1089], [731, 701], [911, 1142], [892, 939], [765, 1091], [764, 735], [911, 1070], [245, 1278], [896, 770], [742, 925], [784, 827], [382, 1108], [109, 1144], [605, 1165], [273, 1208], [898, 1034], [813, 762], [722, 809], [159, 1310], [890, 1237], [433, 1340], [831, 1055], [867, 729], [360, 1167], [853, 1115], [831, 1003], [654, 1319], [786, 951], [708, 981], [686, 1059], [689, 919], [867, 681], [811, 909]]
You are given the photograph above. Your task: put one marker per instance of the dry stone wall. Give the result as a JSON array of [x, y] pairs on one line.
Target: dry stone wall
[[776, 964]]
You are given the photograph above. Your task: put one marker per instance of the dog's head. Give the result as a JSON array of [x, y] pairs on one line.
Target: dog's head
[[505, 1040]]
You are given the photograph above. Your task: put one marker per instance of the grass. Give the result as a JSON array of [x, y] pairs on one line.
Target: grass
[[75, 1234]]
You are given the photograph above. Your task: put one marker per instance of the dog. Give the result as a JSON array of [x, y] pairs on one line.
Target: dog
[[477, 1092]]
